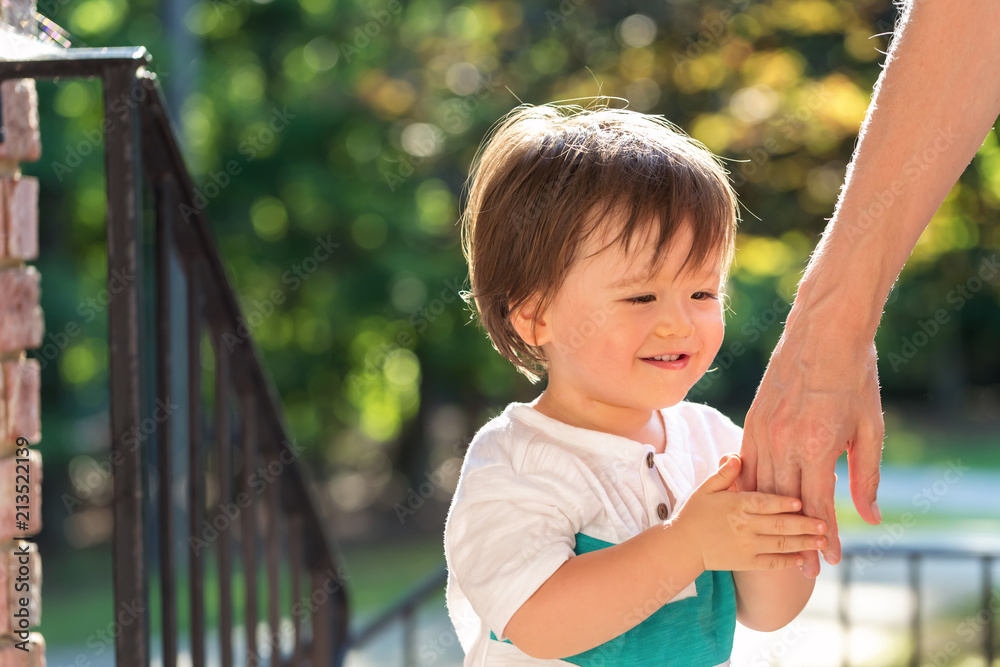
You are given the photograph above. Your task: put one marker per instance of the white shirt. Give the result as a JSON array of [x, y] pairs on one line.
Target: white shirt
[[530, 484]]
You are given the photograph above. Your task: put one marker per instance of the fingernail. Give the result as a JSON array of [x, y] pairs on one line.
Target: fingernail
[[877, 512]]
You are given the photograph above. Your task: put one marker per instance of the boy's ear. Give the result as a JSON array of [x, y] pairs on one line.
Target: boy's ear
[[530, 324]]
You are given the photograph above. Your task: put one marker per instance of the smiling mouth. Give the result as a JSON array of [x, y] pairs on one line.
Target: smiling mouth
[[666, 357]]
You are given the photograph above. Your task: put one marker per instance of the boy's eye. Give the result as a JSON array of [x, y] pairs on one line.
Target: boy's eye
[[645, 298], [701, 296]]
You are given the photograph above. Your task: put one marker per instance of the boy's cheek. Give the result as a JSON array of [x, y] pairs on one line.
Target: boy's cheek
[[715, 333]]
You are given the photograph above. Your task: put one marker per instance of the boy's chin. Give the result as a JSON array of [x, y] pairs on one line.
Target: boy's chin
[[667, 401]]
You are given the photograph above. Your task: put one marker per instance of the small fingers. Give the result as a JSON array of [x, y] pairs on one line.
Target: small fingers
[[755, 502], [788, 524], [785, 544], [776, 561]]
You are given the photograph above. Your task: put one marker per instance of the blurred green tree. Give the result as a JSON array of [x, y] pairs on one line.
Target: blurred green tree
[[330, 124]]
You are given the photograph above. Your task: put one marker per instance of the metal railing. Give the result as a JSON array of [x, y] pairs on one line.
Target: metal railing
[[403, 610], [261, 494], [245, 484], [913, 558]]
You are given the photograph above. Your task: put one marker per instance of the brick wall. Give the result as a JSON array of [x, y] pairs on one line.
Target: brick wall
[[21, 328]]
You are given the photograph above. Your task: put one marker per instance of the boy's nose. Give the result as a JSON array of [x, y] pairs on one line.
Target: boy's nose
[[674, 321]]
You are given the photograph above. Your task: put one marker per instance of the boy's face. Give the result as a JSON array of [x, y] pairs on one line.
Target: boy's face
[[612, 317]]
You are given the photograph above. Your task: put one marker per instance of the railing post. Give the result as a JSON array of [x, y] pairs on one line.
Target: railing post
[[323, 645], [125, 331], [165, 201], [248, 530], [223, 475], [196, 476], [272, 557]]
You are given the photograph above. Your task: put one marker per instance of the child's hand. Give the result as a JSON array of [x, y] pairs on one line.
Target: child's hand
[[734, 530]]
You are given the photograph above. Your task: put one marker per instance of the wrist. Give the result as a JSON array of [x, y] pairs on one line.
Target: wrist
[[846, 285], [835, 315], [824, 335], [675, 536], [811, 357]]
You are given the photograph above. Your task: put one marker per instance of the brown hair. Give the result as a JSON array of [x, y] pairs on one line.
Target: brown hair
[[544, 179]]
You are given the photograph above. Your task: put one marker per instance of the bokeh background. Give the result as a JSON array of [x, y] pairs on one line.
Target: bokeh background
[[356, 122]]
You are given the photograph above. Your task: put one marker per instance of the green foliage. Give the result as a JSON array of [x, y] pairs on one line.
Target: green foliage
[[357, 122]]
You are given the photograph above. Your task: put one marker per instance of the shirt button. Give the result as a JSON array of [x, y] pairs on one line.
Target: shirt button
[[663, 511], [649, 459]]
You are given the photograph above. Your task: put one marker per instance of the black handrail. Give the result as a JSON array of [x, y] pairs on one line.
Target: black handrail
[[139, 141]]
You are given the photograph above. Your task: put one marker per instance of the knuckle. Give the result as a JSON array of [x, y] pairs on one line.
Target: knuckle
[[779, 433], [783, 477]]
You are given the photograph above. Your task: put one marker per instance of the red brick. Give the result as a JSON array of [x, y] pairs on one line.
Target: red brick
[[19, 218], [11, 561], [8, 502], [20, 395], [22, 142], [21, 323], [12, 656]]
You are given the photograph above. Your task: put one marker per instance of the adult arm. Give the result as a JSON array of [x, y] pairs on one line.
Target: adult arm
[[934, 102]]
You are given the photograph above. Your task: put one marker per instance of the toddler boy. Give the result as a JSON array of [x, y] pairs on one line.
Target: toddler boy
[[598, 524]]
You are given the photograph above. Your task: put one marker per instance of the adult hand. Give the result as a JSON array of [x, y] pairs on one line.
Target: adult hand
[[819, 397], [744, 530]]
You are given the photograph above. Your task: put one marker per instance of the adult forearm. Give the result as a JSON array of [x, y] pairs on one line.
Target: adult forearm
[[935, 101], [596, 596]]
